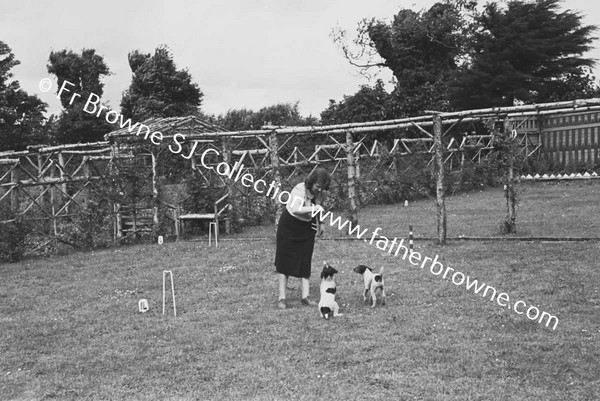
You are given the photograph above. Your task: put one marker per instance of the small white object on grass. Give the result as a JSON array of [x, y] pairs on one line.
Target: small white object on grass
[[406, 203], [160, 240], [143, 305]]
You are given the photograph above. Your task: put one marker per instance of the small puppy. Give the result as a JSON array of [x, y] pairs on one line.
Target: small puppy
[[327, 305], [372, 283]]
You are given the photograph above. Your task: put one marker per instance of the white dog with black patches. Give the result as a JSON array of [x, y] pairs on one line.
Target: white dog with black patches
[[327, 305], [372, 283]]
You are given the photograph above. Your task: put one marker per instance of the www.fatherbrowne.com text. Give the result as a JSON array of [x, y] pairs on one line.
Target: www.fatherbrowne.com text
[[436, 268]]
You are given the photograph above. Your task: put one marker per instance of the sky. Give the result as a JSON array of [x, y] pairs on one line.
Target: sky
[[241, 53]]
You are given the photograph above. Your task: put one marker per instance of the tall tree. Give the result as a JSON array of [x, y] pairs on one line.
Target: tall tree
[[158, 88], [420, 48], [530, 51], [368, 104], [453, 56], [578, 84], [84, 71], [21, 115]]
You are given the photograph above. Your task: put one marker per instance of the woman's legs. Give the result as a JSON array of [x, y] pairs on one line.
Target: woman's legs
[[305, 284], [305, 290], [283, 280]]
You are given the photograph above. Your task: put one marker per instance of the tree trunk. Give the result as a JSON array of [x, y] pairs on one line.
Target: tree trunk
[[274, 146], [353, 212], [510, 223], [439, 173]]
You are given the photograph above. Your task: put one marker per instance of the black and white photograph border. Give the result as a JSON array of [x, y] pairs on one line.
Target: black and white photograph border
[[174, 176]]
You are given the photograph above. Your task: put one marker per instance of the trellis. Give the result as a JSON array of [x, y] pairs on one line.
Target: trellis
[[50, 184], [345, 145]]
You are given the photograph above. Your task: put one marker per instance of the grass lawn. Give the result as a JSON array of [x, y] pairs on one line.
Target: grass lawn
[[70, 327]]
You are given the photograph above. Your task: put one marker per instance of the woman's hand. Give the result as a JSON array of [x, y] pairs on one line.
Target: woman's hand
[[318, 227], [317, 209], [320, 230]]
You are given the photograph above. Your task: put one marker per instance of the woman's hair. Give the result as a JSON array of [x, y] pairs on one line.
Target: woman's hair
[[318, 176]]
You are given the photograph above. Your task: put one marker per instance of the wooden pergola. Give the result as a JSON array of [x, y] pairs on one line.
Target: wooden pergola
[[51, 183]]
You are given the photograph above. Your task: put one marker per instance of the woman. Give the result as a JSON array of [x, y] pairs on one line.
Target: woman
[[296, 233]]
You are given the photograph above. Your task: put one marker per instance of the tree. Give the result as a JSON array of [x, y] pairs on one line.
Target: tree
[[454, 57], [368, 104], [84, 71], [578, 84], [158, 88], [237, 120], [420, 48], [282, 114], [21, 115], [528, 51]]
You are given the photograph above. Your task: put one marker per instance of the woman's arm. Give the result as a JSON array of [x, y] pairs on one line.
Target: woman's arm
[[296, 206]]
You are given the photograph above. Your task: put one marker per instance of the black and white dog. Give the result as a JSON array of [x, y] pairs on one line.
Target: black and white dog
[[327, 305], [372, 282]]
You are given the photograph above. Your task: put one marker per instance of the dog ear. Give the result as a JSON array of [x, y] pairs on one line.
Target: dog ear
[[360, 269]]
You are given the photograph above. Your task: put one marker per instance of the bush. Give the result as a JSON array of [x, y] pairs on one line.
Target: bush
[[542, 165], [12, 240], [410, 180], [87, 230], [473, 176]]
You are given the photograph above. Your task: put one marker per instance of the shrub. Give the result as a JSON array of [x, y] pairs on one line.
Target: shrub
[[88, 229], [12, 240]]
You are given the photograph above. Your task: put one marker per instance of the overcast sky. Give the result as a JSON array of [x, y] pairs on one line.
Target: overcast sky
[[241, 53]]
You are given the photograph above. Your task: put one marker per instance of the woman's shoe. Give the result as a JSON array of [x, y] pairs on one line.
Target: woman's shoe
[[282, 304]]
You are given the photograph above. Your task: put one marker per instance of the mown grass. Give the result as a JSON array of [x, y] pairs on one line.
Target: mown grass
[[71, 329], [555, 209]]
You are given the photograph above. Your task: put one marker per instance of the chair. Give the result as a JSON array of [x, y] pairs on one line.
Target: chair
[[219, 213]]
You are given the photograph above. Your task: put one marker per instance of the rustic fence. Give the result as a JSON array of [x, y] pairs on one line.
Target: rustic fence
[[130, 176]]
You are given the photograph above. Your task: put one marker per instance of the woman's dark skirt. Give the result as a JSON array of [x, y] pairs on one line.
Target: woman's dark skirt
[[295, 244]]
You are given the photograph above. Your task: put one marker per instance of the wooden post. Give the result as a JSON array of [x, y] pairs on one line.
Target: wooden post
[[63, 186], [274, 152], [53, 201], [86, 174], [439, 174], [14, 179], [351, 179], [155, 200], [114, 205], [510, 224], [118, 222], [176, 214], [61, 164], [230, 186]]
